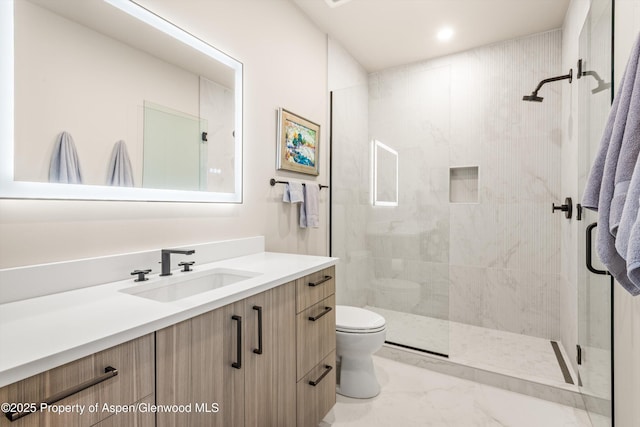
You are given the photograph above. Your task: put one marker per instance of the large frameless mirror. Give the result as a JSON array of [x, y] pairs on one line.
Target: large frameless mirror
[[108, 101]]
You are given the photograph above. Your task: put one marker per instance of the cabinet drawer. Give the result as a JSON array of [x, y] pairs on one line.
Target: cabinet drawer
[[134, 380], [317, 392], [139, 418], [315, 287], [316, 334]]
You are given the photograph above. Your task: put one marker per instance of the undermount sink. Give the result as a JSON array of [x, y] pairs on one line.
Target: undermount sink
[[178, 289]]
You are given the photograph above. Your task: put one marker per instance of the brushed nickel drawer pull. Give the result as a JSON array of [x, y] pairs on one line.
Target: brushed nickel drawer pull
[[109, 372], [326, 310], [321, 281], [327, 369]]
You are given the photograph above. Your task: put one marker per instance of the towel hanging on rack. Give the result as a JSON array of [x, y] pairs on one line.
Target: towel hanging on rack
[[309, 209], [293, 192]]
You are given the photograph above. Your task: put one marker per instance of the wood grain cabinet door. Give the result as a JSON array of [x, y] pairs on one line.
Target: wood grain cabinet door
[[199, 372], [270, 382]]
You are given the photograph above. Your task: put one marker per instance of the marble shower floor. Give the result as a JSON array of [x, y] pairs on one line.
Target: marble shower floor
[[507, 353], [412, 396]]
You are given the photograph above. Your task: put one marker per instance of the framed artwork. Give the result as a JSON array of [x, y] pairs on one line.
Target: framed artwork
[[298, 143]]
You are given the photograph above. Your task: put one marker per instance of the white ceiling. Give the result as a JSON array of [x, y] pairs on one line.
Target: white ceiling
[[386, 33]]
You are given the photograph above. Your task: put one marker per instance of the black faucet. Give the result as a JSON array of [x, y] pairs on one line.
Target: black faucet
[[166, 259]]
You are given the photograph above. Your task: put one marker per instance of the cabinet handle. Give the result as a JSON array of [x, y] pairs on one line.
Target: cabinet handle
[[259, 349], [326, 310], [109, 372], [321, 281], [238, 364], [327, 369]]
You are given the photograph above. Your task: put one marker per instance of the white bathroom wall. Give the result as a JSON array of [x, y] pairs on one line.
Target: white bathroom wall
[[285, 65], [626, 308]]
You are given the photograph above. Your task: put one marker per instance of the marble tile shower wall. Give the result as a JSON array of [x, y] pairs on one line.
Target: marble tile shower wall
[[494, 263]]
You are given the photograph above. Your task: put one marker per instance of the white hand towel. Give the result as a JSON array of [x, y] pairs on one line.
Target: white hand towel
[[309, 209], [119, 172], [65, 166], [293, 192]]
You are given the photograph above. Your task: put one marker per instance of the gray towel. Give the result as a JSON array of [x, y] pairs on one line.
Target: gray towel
[[612, 170], [629, 213], [293, 193], [65, 167], [119, 172], [633, 258], [309, 211]]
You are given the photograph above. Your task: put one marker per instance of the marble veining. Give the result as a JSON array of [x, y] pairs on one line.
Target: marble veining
[[494, 263], [413, 396]]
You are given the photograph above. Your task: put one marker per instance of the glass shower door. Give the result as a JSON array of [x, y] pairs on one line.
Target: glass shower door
[[594, 353], [385, 227]]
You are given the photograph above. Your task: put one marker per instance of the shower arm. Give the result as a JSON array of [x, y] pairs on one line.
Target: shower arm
[[554, 79]]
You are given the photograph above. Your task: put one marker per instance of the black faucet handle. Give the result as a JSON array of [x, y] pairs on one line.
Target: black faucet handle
[[141, 275], [186, 265]]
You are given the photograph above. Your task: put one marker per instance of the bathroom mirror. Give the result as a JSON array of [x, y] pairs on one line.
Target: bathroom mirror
[[385, 175], [104, 71]]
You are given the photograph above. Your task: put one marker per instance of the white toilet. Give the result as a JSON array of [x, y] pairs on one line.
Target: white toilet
[[359, 334]]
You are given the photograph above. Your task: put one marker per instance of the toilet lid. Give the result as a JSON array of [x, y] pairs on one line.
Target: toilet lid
[[354, 319]]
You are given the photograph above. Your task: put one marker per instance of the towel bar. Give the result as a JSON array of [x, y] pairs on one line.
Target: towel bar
[[273, 182]]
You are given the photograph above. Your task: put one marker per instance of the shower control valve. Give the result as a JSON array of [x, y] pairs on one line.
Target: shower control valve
[[567, 208]]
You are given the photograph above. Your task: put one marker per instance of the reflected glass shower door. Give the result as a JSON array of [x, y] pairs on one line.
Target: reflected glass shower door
[[594, 286], [389, 224], [173, 152]]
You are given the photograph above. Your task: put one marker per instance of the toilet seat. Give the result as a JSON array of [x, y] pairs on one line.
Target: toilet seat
[[358, 320]]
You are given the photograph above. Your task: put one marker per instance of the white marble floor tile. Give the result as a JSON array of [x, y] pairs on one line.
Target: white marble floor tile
[[508, 353], [412, 396]]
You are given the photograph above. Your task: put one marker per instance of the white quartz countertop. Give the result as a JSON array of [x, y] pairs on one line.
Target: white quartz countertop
[[38, 334]]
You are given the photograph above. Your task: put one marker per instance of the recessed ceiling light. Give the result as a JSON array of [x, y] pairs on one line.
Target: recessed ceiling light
[[445, 34], [336, 3]]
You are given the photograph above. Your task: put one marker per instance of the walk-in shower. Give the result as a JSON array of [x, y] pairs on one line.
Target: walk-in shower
[[465, 265]]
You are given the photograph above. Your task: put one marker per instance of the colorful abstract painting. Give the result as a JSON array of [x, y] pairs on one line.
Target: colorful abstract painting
[[298, 145]]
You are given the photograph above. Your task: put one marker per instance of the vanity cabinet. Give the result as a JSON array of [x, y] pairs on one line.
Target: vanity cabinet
[[316, 345], [240, 357], [265, 361], [134, 382]]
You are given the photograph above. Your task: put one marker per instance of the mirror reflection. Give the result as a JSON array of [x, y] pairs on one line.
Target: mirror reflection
[[102, 98], [385, 175]]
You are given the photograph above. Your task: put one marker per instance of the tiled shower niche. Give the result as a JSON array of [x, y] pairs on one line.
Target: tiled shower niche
[[463, 184]]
